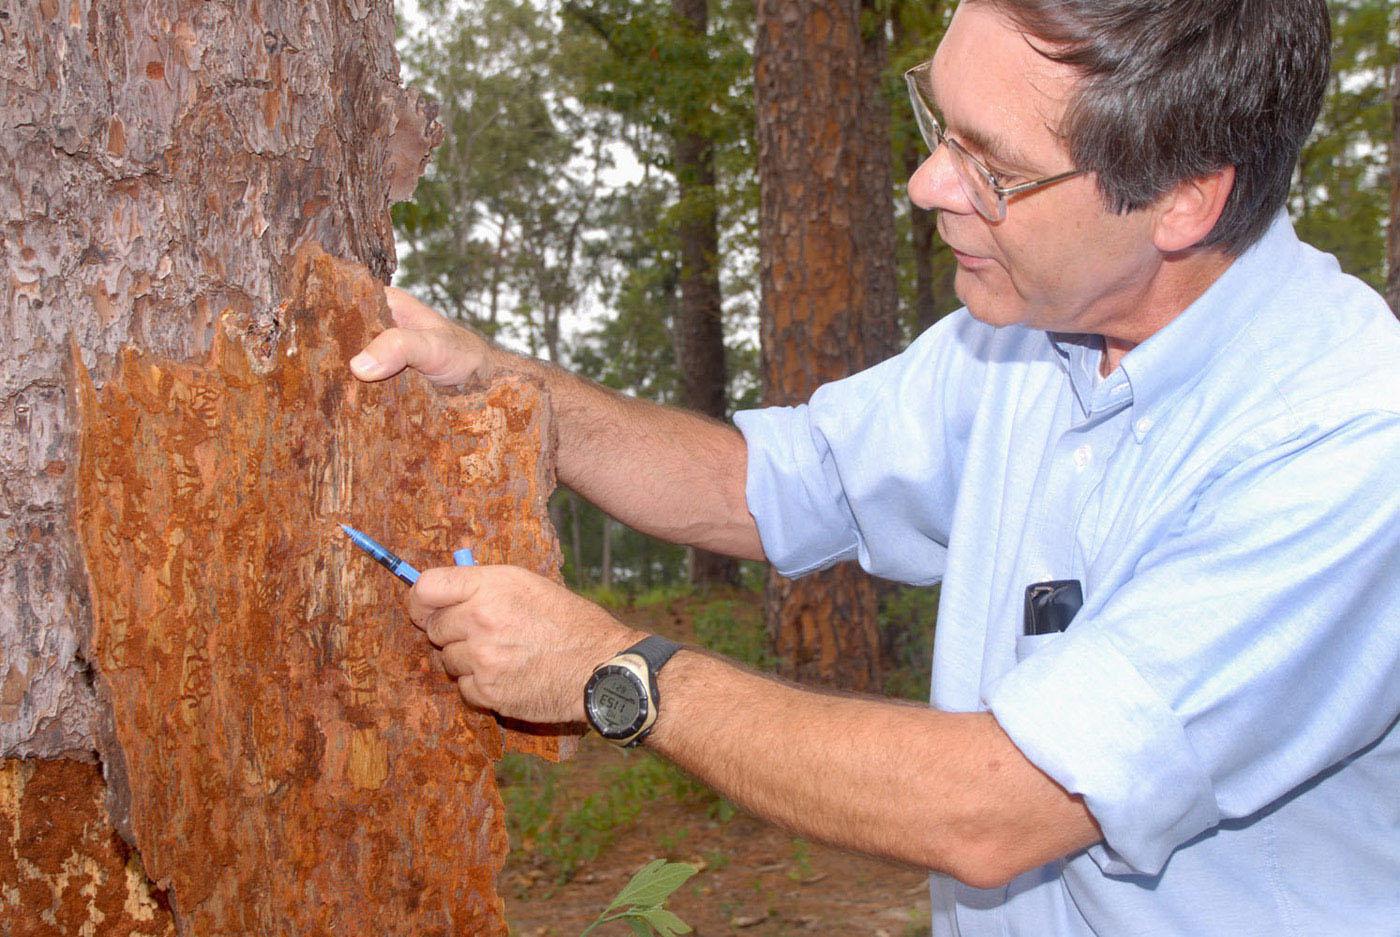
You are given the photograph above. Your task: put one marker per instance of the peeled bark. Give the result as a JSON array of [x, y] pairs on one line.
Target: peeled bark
[[274, 742], [827, 266]]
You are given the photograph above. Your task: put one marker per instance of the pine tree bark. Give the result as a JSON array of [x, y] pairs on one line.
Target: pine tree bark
[[173, 606], [827, 266], [700, 327]]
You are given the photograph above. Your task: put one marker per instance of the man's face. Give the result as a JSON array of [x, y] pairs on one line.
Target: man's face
[[1059, 260]]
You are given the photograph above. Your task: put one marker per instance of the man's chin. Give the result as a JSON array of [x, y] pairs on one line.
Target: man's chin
[[983, 305]]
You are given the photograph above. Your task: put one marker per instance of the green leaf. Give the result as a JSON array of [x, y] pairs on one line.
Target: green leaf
[[638, 928], [666, 923], [653, 884]]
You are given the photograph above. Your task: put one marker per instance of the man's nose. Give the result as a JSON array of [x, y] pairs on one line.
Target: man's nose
[[935, 185]]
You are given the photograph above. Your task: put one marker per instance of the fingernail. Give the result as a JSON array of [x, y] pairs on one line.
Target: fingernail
[[364, 364]]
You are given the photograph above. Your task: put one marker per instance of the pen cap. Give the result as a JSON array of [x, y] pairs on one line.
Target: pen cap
[[463, 557]]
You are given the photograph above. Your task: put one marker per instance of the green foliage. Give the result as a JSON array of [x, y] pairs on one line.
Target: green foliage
[[563, 836], [663, 595], [906, 621], [918, 924], [736, 630], [1342, 188], [640, 903], [801, 860], [612, 598]]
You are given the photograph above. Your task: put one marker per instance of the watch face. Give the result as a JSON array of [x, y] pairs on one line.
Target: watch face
[[616, 702]]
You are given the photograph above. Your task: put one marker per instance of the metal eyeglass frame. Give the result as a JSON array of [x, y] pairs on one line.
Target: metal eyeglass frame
[[964, 162]]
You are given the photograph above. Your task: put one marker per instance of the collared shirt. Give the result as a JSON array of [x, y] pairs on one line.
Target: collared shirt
[[1226, 699]]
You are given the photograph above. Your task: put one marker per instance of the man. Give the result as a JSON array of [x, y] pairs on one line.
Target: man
[[1156, 395]]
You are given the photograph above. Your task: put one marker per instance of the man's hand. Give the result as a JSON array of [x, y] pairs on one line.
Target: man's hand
[[517, 643], [425, 340]]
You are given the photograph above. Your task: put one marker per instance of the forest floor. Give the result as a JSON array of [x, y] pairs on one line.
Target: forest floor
[[579, 830]]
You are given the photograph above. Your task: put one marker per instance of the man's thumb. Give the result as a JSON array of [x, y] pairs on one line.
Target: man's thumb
[[381, 358], [365, 367]]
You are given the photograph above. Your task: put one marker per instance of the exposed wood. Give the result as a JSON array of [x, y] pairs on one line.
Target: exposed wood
[[827, 267], [160, 161], [63, 869], [296, 763], [272, 735]]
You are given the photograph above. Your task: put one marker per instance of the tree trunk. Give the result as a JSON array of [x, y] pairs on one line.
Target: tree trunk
[[827, 267], [700, 327], [922, 224], [1392, 283], [922, 227], [180, 440]]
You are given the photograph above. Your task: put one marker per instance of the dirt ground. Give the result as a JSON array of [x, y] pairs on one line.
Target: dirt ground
[[755, 879]]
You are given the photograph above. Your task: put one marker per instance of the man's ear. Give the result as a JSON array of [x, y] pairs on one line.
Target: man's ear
[[1188, 212]]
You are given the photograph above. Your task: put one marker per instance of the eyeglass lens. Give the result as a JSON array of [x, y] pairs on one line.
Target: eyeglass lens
[[974, 180]]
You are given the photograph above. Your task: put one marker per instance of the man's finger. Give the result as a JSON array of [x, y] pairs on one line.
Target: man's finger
[[389, 353], [456, 659], [409, 312], [441, 587], [466, 685]]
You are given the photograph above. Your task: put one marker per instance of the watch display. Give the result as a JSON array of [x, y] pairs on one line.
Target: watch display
[[621, 699], [616, 701]]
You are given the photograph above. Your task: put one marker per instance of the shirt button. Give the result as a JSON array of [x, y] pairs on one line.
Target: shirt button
[[1143, 425], [1082, 456]]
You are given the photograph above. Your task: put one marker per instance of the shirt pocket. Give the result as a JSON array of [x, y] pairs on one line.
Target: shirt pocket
[[1028, 644]]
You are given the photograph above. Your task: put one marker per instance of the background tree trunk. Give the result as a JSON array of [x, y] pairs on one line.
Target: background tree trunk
[[1392, 283], [163, 163], [923, 225], [700, 326], [827, 267]]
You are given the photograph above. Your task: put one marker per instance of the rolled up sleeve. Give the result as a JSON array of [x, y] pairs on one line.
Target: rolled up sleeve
[[868, 468], [1255, 646], [794, 491]]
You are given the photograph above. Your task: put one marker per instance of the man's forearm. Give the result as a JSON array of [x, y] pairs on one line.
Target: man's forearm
[[946, 792], [669, 473]]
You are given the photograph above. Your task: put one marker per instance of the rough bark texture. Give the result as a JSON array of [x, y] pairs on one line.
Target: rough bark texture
[[272, 737], [700, 326], [827, 265], [159, 162], [283, 727], [64, 870], [1392, 283]]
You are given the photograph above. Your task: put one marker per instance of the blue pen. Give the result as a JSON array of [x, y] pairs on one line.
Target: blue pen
[[382, 556]]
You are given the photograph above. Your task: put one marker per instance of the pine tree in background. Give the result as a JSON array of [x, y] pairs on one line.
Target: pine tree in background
[[1392, 289], [1340, 195], [827, 266], [926, 265]]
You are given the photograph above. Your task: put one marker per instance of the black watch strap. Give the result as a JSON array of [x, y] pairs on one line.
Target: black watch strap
[[655, 650]]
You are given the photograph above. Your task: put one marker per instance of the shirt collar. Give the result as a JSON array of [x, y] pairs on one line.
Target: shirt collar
[[1080, 356], [1175, 357]]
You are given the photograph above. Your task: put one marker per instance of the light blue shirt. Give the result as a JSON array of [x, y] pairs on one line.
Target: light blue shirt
[[1226, 699]]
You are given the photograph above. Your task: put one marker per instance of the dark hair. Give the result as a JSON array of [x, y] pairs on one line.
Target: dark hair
[[1171, 90]]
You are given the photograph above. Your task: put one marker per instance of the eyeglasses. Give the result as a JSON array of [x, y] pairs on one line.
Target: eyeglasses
[[978, 182]]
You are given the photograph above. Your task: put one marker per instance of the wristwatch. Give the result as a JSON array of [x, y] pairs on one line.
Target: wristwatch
[[621, 698]]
